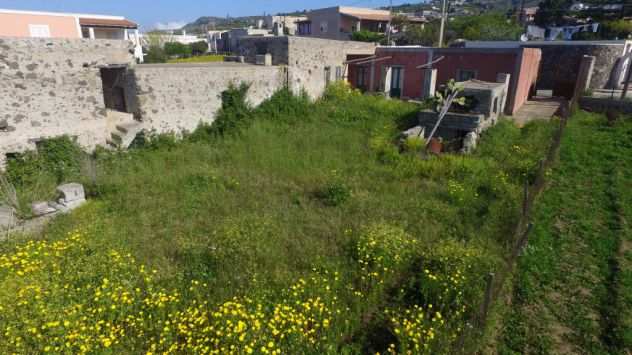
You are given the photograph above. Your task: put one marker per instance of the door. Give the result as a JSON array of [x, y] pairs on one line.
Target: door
[[396, 81]]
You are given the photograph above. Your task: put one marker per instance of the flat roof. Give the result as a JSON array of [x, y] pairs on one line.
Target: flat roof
[[516, 44], [45, 13], [97, 22], [479, 84]]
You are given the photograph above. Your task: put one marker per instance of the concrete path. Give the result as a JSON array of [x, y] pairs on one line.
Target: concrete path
[[538, 108]]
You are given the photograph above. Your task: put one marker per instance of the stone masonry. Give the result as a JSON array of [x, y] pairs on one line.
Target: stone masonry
[[176, 98], [76, 87], [312, 62], [52, 87]]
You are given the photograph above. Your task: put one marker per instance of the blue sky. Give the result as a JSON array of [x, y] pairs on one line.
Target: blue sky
[[173, 12]]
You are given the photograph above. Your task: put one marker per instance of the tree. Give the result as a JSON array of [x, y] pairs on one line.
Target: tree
[[551, 12], [199, 48], [177, 49], [489, 27], [427, 35], [367, 36], [155, 54]]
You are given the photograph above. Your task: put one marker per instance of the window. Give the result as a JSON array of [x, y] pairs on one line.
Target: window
[[305, 28], [338, 73], [361, 78], [397, 79], [327, 75], [42, 31], [465, 75], [323, 27]]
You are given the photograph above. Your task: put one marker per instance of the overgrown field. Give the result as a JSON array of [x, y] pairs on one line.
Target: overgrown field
[[573, 291], [296, 227]]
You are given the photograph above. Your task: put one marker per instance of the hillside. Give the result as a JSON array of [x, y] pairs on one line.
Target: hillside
[[220, 23]]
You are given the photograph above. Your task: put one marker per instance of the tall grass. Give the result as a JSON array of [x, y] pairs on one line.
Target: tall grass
[[295, 190]]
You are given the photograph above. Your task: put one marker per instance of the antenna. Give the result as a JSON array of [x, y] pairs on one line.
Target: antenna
[[388, 35]]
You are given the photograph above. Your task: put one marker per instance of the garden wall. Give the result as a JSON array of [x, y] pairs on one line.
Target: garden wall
[[312, 62], [51, 87], [602, 105], [175, 98]]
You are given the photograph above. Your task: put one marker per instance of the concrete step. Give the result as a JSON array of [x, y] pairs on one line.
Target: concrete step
[[127, 127]]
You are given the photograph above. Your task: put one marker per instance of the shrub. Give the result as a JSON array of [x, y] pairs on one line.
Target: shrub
[[334, 194], [176, 49], [234, 115], [367, 36], [285, 106], [60, 157], [155, 54], [414, 144], [199, 48]]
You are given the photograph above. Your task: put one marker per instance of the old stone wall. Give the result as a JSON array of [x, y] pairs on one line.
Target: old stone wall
[[560, 64], [312, 62], [315, 61], [176, 98], [52, 87]]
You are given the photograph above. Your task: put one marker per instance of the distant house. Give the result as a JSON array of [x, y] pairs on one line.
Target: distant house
[[340, 22], [405, 71], [286, 24], [15, 23]]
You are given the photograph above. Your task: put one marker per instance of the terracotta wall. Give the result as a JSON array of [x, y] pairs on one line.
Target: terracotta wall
[[527, 78], [17, 25], [521, 64]]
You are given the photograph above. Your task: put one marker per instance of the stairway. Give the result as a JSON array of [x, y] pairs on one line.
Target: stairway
[[122, 128]]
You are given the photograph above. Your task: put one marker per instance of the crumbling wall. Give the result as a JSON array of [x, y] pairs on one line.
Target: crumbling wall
[[52, 87], [175, 98], [306, 58]]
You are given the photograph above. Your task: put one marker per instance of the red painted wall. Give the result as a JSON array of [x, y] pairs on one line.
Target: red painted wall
[[413, 77], [521, 64], [409, 60]]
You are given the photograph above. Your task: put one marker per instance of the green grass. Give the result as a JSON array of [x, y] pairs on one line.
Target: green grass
[[573, 286], [199, 59], [393, 244]]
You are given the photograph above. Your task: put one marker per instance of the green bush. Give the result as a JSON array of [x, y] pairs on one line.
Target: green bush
[[367, 36], [334, 194], [155, 54], [176, 49], [199, 48], [60, 157]]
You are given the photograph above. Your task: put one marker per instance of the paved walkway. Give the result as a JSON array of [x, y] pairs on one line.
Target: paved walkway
[[538, 108]]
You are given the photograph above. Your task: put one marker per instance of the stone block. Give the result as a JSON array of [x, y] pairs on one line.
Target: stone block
[[469, 142], [6, 217], [264, 59], [415, 132], [42, 208], [71, 192]]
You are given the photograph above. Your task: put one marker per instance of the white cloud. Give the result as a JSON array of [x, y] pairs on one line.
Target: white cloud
[[171, 25]]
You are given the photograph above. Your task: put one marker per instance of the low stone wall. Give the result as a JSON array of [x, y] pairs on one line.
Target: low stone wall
[[560, 63], [602, 105], [176, 98], [52, 87]]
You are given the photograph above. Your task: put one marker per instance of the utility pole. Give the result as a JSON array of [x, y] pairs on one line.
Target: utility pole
[[390, 23], [443, 18]]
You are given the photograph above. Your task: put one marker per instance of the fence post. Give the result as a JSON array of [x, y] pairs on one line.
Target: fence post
[[525, 201], [489, 290]]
